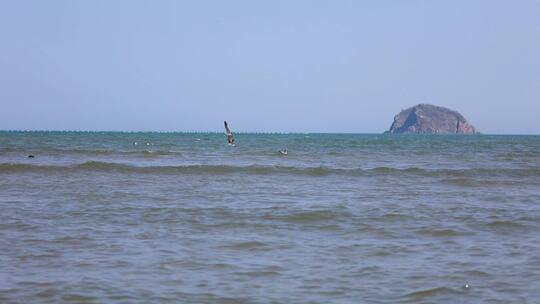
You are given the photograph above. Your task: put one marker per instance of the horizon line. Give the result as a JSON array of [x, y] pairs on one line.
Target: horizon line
[[245, 132]]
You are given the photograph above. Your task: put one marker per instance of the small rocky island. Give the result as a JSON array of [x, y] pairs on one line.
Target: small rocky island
[[430, 119]]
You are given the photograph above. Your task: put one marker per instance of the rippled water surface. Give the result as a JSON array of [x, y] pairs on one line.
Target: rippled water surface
[[184, 218]]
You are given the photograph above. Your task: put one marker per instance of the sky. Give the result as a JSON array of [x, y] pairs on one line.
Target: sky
[[266, 66]]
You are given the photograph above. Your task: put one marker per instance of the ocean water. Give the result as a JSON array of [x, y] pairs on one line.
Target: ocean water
[[343, 218]]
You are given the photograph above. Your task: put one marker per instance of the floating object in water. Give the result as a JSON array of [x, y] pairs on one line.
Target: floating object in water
[[135, 143], [31, 156], [283, 151]]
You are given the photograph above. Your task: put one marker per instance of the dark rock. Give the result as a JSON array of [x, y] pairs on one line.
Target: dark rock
[[430, 119]]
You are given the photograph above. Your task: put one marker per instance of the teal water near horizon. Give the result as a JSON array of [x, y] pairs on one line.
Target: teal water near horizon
[[343, 218]]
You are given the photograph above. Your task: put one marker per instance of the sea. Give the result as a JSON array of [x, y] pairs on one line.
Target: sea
[[115, 217]]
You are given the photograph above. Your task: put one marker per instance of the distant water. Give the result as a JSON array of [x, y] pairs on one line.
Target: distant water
[[184, 218]]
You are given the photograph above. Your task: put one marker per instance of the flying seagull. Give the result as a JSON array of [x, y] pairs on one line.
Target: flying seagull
[[228, 133]]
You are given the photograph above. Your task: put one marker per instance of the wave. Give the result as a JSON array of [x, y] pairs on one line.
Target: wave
[[92, 152], [187, 169], [260, 169], [437, 291], [308, 216]]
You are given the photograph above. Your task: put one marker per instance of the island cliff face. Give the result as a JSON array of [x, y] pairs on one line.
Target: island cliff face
[[430, 119]]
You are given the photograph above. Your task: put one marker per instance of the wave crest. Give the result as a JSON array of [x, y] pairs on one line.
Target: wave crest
[[262, 170]]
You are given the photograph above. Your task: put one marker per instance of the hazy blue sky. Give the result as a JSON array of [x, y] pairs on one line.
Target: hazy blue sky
[[330, 66]]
